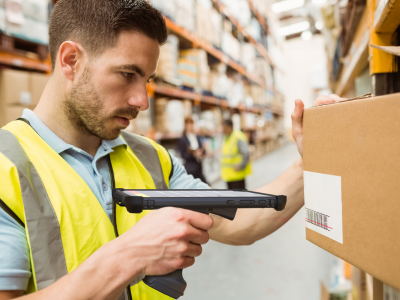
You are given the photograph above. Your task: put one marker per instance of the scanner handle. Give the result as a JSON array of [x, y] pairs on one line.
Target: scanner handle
[[172, 284]]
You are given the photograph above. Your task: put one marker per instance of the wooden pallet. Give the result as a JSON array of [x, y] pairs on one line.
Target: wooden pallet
[[23, 47]]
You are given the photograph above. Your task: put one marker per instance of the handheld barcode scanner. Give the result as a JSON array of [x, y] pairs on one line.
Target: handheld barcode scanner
[[223, 203]]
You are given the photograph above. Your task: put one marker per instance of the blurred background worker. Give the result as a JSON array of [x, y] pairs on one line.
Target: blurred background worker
[[190, 147], [235, 162]]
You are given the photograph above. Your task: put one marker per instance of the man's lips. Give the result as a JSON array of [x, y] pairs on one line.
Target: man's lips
[[123, 121]]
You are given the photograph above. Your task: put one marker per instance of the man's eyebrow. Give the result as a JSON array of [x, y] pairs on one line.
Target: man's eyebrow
[[133, 68]]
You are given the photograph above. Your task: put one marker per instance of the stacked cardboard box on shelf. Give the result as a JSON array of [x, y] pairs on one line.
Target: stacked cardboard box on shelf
[[219, 82], [168, 61], [187, 108], [209, 23], [28, 20], [160, 114], [262, 68], [166, 7], [142, 123], [231, 46], [169, 115], [193, 69], [235, 94], [19, 90], [248, 58], [185, 14], [258, 94]]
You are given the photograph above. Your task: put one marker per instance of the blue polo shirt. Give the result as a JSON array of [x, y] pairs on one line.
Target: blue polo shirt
[[14, 250]]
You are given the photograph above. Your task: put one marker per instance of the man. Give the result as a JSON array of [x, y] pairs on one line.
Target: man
[[235, 161], [61, 235], [192, 150]]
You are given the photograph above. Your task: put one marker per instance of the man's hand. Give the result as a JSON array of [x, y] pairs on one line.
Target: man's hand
[[167, 239], [161, 242], [297, 117], [198, 153]]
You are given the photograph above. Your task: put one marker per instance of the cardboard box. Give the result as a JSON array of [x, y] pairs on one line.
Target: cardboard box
[[11, 113], [37, 83], [14, 88], [351, 182]]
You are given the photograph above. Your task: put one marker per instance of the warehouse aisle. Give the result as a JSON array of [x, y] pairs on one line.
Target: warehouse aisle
[[283, 266]]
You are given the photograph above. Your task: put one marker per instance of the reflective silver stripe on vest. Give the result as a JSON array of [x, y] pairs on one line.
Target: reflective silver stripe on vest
[[40, 219], [148, 156]]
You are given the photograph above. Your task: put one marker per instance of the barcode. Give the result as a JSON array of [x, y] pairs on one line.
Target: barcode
[[317, 219]]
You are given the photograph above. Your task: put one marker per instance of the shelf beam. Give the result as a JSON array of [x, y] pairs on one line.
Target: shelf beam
[[177, 93], [21, 61]]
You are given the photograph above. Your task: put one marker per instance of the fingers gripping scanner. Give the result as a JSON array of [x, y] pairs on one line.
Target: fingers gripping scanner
[[223, 203]]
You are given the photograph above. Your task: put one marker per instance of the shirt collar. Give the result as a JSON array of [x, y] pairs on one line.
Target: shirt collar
[[54, 141]]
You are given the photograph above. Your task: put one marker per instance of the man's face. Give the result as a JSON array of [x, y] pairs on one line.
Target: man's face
[[189, 127], [112, 89], [226, 130]]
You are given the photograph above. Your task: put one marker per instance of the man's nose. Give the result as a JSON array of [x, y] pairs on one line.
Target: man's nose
[[139, 98]]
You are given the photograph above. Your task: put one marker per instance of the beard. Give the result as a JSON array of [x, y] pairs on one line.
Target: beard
[[84, 108]]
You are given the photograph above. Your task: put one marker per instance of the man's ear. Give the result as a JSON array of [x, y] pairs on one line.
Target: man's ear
[[71, 56]]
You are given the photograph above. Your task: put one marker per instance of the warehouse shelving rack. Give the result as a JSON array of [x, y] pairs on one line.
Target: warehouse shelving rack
[[378, 24], [16, 59], [155, 89]]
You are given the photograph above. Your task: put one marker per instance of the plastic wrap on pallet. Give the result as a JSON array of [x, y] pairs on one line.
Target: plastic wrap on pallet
[[185, 15], [168, 61], [239, 9], [30, 23], [166, 7]]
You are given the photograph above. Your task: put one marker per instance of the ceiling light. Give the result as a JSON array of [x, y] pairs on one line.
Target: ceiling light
[[318, 1], [319, 25], [306, 35], [294, 28], [286, 5], [260, 123]]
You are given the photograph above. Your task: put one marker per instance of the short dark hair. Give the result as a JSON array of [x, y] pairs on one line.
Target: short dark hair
[[96, 24], [189, 120], [228, 122]]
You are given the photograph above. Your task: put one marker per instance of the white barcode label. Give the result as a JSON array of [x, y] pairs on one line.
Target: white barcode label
[[317, 219], [323, 203]]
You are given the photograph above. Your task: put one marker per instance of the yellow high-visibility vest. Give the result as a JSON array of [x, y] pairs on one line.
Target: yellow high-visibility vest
[[64, 221], [232, 158]]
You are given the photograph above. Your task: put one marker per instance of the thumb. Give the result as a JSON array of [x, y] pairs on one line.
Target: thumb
[[297, 115]]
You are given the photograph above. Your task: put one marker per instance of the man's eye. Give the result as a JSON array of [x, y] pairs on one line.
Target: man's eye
[[127, 75]]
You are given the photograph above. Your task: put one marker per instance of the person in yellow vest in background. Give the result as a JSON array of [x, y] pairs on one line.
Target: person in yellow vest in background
[[62, 236], [235, 160]]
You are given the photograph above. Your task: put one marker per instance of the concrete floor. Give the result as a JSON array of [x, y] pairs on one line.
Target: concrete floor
[[283, 266]]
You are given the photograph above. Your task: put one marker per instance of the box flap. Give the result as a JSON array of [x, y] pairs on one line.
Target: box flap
[[366, 96]]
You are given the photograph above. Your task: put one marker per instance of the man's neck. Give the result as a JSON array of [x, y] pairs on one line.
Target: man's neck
[[50, 111]]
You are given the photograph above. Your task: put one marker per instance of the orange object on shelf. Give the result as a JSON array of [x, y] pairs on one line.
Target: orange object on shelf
[[153, 88], [347, 270], [22, 61]]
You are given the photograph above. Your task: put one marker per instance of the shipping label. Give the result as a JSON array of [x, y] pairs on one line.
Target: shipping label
[[323, 204]]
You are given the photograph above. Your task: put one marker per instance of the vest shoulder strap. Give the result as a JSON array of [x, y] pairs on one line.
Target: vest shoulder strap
[[154, 157]]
